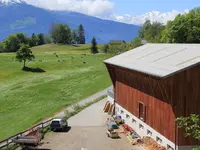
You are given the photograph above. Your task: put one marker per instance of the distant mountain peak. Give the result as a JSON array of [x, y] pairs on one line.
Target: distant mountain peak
[[152, 16], [7, 2]]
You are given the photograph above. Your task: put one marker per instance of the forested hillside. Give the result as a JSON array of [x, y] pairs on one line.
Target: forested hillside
[[183, 29]]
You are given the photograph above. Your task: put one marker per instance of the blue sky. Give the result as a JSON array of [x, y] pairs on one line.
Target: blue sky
[[136, 7]]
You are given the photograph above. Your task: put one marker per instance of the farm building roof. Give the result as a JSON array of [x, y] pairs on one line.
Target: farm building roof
[[116, 41], [159, 60]]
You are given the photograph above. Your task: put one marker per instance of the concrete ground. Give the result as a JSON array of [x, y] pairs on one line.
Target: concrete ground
[[83, 101], [91, 116], [87, 132]]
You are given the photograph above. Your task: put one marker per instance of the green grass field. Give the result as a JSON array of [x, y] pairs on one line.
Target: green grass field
[[27, 97]]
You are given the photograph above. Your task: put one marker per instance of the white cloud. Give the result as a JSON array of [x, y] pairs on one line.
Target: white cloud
[[152, 16], [89, 7], [101, 8]]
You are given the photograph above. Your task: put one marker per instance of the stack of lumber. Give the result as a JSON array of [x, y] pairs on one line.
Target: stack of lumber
[[152, 144], [111, 110], [107, 106]]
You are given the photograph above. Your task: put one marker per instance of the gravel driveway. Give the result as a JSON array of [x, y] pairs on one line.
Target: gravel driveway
[[87, 132]]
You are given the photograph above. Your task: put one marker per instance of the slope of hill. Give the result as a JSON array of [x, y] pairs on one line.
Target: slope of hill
[[71, 74], [21, 17]]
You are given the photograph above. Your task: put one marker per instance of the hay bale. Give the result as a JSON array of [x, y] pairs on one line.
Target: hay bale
[[151, 144]]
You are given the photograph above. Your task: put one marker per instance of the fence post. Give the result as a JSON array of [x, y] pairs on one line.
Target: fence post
[[7, 144]]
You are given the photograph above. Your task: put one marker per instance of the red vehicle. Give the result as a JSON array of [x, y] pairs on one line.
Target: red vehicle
[[30, 141]]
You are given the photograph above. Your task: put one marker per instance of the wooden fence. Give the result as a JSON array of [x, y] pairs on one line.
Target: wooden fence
[[110, 92], [5, 143]]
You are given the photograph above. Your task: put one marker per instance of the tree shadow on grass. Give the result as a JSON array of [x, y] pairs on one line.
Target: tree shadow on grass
[[35, 70], [75, 45]]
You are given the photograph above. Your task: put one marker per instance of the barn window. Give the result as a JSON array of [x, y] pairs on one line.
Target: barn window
[[127, 116], [141, 126], [149, 133], [169, 147], [122, 112], [159, 140], [142, 111], [133, 120]]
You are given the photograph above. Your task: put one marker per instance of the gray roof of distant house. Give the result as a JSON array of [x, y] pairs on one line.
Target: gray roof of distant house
[[159, 60], [116, 41]]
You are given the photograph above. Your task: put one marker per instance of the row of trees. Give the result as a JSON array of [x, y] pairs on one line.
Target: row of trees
[[184, 28], [120, 48], [152, 32], [15, 41], [115, 48], [62, 34]]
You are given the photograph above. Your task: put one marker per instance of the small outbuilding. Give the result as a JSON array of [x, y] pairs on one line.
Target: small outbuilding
[[116, 42], [153, 85]]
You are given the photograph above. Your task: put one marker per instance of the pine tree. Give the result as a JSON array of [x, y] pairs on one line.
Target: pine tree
[[41, 39], [81, 34], [74, 37], [94, 48], [33, 41]]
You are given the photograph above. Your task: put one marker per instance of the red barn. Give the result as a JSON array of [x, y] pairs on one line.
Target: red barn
[[153, 85]]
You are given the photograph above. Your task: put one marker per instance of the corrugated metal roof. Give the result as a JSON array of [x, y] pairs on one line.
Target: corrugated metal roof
[[158, 60]]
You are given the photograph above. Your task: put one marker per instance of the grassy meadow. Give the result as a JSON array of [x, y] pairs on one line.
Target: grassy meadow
[[70, 73]]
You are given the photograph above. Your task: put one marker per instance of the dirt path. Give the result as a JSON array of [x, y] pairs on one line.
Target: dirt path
[[87, 132]]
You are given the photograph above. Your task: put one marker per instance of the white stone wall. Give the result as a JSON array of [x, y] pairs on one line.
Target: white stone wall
[[110, 99], [142, 129]]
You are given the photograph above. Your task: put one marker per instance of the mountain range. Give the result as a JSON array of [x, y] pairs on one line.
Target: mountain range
[[18, 16]]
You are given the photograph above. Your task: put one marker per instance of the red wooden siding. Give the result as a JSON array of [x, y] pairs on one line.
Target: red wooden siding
[[185, 94], [165, 98], [159, 114]]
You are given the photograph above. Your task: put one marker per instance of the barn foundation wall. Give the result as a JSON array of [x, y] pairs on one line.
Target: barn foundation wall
[[141, 128]]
